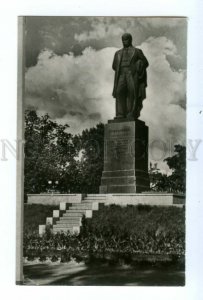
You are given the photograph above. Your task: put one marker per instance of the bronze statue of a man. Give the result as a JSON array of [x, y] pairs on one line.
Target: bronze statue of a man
[[130, 81]]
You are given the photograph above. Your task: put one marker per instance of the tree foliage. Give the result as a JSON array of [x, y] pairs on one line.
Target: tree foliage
[[177, 164], [53, 154], [74, 163], [48, 151], [176, 182], [91, 146]]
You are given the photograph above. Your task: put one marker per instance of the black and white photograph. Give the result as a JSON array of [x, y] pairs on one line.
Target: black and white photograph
[[101, 149], [104, 140]]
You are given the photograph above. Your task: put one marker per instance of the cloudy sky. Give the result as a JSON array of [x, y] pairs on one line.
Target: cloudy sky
[[69, 75]]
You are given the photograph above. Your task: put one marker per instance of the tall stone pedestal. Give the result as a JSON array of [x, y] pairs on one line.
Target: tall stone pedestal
[[125, 157]]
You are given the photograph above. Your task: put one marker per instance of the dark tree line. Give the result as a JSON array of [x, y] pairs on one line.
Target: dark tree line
[[57, 160]]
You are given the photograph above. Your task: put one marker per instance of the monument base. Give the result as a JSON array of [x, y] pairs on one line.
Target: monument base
[[125, 157], [148, 198]]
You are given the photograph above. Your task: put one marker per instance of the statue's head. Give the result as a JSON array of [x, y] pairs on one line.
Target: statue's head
[[127, 39]]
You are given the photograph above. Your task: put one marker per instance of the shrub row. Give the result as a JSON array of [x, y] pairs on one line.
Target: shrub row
[[115, 230]]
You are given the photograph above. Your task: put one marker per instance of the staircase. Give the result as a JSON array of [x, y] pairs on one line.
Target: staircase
[[69, 217]]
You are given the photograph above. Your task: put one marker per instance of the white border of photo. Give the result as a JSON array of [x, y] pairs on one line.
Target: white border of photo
[[10, 10]]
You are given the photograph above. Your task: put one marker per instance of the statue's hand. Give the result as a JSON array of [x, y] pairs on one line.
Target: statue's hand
[[139, 66], [140, 69]]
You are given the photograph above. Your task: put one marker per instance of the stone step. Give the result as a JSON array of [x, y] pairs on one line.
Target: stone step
[[71, 213], [49, 221], [64, 206], [63, 225], [56, 213], [89, 205], [82, 204], [87, 200], [94, 196], [42, 229], [70, 218], [69, 222], [66, 219], [86, 212], [80, 208], [95, 201], [68, 225]]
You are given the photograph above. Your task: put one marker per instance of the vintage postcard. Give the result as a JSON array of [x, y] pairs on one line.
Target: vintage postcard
[[102, 121]]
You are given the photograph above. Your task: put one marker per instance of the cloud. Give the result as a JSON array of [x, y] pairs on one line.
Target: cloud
[[73, 89], [77, 91], [157, 22], [99, 30], [164, 109], [105, 31], [104, 27], [63, 35]]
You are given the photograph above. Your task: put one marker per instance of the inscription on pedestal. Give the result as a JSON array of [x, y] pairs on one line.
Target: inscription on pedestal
[[119, 138], [125, 145], [117, 148]]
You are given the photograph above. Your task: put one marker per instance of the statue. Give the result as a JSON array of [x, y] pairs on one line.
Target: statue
[[130, 81]]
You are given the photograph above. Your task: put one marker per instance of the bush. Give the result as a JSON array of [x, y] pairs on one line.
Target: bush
[[65, 256], [54, 258], [117, 233], [42, 257]]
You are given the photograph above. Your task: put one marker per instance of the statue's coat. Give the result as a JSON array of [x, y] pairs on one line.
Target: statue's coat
[[138, 65]]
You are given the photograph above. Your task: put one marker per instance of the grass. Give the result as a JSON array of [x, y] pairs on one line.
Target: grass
[[139, 220], [34, 215]]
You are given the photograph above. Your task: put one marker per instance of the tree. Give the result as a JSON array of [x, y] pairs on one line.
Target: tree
[[158, 181], [176, 182], [177, 164], [90, 144], [48, 152], [54, 154]]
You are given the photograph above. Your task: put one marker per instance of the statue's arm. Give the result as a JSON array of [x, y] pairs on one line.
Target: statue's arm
[[114, 62], [143, 58]]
